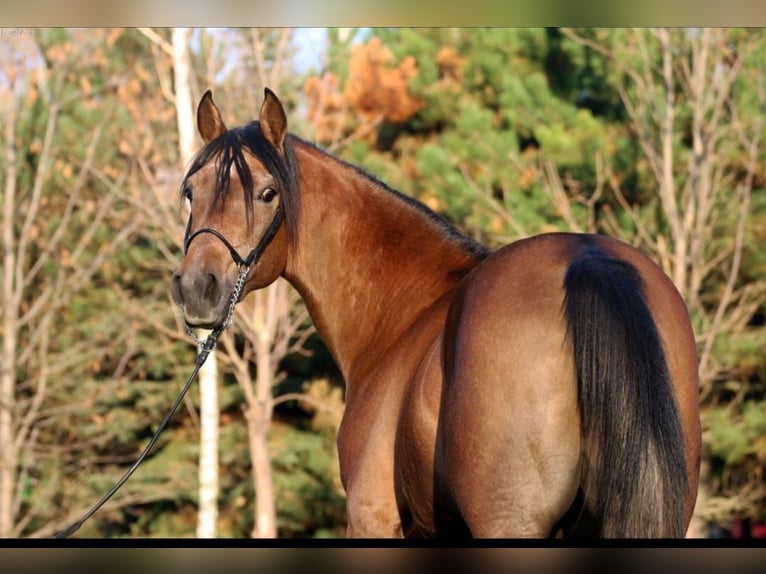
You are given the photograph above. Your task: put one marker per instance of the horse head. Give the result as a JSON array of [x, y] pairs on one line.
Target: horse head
[[235, 188]]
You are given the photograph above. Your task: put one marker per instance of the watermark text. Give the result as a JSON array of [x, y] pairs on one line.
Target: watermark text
[[15, 32]]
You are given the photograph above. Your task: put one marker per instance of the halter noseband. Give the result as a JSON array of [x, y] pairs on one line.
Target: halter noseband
[[254, 254]]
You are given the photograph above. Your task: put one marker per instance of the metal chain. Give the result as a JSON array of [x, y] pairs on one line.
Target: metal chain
[[206, 346], [235, 296]]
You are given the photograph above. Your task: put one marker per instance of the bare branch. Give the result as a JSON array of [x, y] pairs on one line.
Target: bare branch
[[492, 202], [52, 244], [559, 197], [157, 40], [745, 193], [260, 61], [41, 175], [281, 55]]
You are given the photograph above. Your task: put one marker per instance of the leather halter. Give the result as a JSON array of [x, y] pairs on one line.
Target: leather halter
[[254, 254]]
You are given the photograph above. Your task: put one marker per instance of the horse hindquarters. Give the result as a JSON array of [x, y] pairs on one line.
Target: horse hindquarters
[[633, 446], [556, 385], [508, 439]]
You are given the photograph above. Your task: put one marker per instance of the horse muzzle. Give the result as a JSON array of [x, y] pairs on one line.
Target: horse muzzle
[[203, 296]]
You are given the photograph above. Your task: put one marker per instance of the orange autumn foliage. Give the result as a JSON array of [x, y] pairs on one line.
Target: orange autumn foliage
[[376, 90]]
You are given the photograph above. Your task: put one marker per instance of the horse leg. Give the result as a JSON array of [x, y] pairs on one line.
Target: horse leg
[[365, 452], [371, 509], [369, 515]]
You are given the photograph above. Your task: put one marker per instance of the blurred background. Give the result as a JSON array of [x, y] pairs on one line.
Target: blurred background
[[650, 135]]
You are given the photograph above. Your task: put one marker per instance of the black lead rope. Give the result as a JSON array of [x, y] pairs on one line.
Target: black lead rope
[[206, 346], [205, 350]]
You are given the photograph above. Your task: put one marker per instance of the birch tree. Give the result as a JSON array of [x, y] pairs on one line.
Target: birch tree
[[271, 321], [208, 375], [180, 95]]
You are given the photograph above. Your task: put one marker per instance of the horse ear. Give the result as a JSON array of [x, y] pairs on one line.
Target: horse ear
[[209, 121], [273, 119]]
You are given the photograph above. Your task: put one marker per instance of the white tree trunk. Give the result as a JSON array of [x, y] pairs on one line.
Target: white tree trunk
[[259, 421], [207, 514], [182, 77], [8, 453]]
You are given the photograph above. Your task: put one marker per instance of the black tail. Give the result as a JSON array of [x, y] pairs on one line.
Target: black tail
[[632, 438]]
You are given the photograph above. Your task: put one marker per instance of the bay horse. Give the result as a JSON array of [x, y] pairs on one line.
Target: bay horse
[[548, 388]]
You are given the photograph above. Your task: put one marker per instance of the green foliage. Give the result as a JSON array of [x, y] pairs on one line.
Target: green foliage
[[308, 500], [490, 117], [304, 466], [733, 436]]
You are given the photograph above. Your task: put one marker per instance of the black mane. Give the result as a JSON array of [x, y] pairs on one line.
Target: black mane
[[228, 151]]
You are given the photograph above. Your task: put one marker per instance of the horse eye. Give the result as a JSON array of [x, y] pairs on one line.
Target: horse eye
[[187, 192], [268, 195]]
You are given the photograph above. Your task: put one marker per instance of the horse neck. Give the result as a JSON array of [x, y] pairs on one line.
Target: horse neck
[[367, 263]]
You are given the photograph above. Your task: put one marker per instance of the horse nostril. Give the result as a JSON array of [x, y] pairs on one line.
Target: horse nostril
[[211, 288], [175, 288]]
